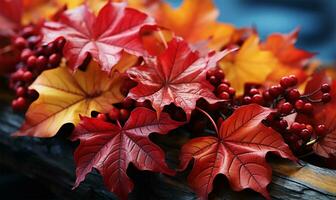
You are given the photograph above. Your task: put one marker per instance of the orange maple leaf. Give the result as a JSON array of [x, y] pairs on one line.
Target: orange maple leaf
[[195, 21]]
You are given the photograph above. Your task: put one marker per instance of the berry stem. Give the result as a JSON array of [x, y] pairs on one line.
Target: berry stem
[[311, 142], [209, 117]]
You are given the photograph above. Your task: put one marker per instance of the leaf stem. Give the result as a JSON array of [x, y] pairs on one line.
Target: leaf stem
[[209, 117]]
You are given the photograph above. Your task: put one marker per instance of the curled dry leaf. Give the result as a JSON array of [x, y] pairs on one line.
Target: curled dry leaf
[[250, 64], [238, 152], [195, 21], [64, 96], [176, 76], [111, 148], [105, 37]]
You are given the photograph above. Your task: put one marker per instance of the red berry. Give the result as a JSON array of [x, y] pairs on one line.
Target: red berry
[[247, 100], [305, 134], [25, 54], [299, 104], [124, 114], [128, 103], [296, 127], [308, 107], [325, 88], [54, 59], [285, 82], [20, 42], [283, 124], [222, 88], [267, 95], [31, 61], [258, 99], [213, 80], [286, 108], [219, 74], [101, 116], [326, 97], [41, 62], [321, 130], [293, 95], [293, 80], [210, 72], [232, 91], [114, 113], [224, 95], [27, 76], [20, 91], [19, 104], [226, 82], [253, 91], [309, 128], [275, 91], [49, 49]]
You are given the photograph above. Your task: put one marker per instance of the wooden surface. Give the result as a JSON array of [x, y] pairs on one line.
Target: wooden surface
[[50, 161]]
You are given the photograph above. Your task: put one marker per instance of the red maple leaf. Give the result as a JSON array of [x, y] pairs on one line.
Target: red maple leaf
[[283, 47], [238, 152], [110, 148], [176, 76], [115, 29], [326, 114]]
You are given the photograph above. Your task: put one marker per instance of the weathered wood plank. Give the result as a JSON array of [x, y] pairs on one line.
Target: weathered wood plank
[[50, 161]]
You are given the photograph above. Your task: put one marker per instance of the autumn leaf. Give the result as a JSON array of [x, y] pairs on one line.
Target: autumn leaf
[[10, 16], [105, 37], [249, 65], [176, 76], [291, 59], [238, 152], [111, 148], [326, 146], [195, 21], [283, 47], [63, 96]]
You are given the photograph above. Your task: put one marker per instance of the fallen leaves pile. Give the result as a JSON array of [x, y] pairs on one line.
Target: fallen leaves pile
[[120, 71]]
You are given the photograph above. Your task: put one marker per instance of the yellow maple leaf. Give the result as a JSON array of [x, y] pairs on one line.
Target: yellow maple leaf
[[64, 96], [249, 65], [195, 21]]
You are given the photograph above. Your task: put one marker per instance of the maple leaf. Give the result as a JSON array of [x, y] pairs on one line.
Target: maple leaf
[[111, 148], [176, 76], [115, 29], [291, 59], [249, 65], [238, 152], [283, 47], [195, 21], [63, 96]]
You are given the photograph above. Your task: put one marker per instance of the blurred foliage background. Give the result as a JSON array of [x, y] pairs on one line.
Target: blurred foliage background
[[316, 18]]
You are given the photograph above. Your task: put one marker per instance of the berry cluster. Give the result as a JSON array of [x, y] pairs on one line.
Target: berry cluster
[[223, 89], [287, 100], [34, 59], [121, 111]]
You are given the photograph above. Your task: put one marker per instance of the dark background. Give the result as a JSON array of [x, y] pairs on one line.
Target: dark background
[[318, 34]]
